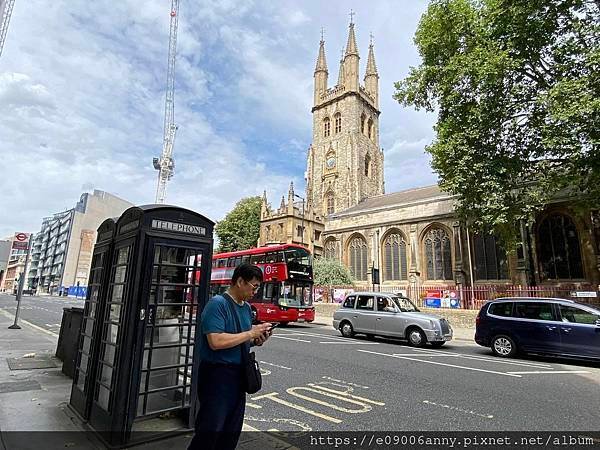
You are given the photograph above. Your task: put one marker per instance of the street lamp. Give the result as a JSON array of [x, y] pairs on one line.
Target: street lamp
[[302, 198]]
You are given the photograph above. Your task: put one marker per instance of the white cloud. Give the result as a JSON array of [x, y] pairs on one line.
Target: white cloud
[[82, 99]]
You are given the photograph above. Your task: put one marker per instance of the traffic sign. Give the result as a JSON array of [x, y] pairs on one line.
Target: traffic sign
[[21, 237]]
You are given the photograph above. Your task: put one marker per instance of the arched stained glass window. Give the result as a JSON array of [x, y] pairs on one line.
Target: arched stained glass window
[[358, 258], [490, 261], [326, 127], [338, 123], [438, 256], [331, 249], [559, 251], [394, 258]]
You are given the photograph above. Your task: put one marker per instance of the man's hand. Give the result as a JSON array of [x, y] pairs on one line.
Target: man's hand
[[264, 334], [259, 330]]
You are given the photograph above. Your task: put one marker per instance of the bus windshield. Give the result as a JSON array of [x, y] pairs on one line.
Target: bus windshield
[[295, 295], [298, 256]]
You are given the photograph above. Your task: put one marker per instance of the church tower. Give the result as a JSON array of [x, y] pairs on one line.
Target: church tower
[[345, 163]]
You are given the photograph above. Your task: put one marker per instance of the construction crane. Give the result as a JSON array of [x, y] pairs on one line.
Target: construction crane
[[6, 7], [165, 164]]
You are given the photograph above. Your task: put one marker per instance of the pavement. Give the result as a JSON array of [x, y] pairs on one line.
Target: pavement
[[35, 401]]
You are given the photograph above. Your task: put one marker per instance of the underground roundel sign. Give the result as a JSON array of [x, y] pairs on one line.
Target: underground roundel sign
[[21, 237]]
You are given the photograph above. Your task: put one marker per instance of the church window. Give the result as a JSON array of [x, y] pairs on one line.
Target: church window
[[326, 127], [367, 165], [438, 256], [299, 231], [490, 262], [338, 123], [331, 249], [330, 202], [394, 255], [559, 251], [370, 128], [363, 124], [358, 258]]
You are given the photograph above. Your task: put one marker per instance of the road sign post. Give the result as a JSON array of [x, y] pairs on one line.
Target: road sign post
[[20, 237]]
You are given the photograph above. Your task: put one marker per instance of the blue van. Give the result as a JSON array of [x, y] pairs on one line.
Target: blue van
[[539, 325]]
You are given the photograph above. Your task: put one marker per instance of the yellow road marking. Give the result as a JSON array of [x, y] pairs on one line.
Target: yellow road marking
[[273, 396]]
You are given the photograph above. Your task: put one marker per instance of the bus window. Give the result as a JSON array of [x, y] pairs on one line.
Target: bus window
[[221, 262], [238, 261], [257, 259], [271, 291], [245, 258], [230, 262]]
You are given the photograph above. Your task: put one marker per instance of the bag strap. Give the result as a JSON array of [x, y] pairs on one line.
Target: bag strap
[[243, 346]]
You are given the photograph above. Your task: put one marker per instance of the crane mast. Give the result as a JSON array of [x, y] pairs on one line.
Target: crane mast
[[6, 7], [165, 164]]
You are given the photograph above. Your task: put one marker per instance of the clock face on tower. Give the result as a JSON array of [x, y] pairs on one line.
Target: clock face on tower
[[331, 162]]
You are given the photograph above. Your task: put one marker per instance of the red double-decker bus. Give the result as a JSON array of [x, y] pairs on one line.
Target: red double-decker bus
[[286, 293]]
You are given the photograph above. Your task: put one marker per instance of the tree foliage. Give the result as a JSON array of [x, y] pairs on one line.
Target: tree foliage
[[240, 228], [516, 86], [331, 272]]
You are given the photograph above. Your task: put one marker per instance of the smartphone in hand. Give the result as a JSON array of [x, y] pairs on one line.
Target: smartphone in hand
[[274, 325]]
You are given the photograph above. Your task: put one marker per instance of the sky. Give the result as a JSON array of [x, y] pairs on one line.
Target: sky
[[82, 89]]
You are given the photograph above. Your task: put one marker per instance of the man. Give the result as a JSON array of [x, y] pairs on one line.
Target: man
[[221, 382]]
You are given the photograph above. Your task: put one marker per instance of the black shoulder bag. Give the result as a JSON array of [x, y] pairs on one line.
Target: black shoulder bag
[[250, 366]]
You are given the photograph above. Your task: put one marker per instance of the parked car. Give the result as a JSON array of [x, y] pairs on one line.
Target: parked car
[[539, 325], [376, 313]]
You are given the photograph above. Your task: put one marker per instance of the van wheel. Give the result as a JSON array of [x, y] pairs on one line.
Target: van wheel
[[346, 329], [416, 337], [503, 346]]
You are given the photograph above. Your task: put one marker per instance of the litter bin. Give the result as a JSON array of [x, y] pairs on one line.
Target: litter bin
[[68, 339]]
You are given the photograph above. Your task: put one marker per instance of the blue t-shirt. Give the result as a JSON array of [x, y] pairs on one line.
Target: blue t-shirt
[[217, 317]]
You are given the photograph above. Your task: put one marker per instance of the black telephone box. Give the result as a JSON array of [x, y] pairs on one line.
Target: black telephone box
[[157, 285], [85, 367]]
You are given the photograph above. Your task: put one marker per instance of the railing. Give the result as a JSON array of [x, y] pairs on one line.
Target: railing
[[473, 297]]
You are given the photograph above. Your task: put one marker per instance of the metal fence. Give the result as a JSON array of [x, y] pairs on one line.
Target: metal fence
[[473, 297]]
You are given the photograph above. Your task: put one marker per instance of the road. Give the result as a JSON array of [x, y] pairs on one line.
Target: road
[[45, 312], [314, 379]]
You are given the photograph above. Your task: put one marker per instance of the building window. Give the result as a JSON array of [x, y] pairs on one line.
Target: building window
[[299, 231], [394, 258], [559, 251], [331, 249], [358, 258], [367, 165], [363, 124], [370, 128], [330, 202], [338, 123], [317, 235], [326, 127], [490, 262], [438, 256]]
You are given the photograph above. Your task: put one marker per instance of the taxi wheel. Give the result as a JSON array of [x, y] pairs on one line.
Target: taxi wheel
[[346, 329], [416, 338]]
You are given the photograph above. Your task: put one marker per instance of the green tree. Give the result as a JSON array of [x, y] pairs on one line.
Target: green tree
[[516, 87], [331, 272], [240, 228]]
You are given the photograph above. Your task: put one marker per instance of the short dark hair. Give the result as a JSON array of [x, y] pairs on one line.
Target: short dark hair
[[246, 272]]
